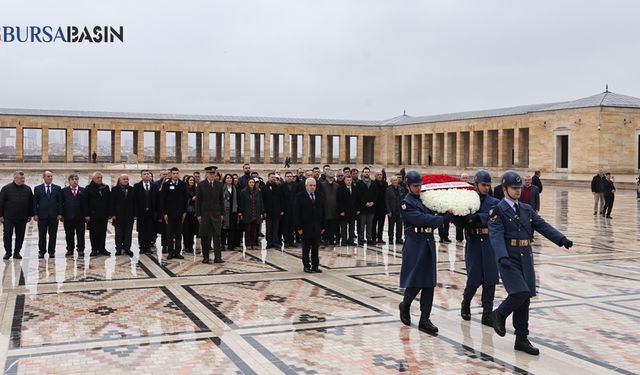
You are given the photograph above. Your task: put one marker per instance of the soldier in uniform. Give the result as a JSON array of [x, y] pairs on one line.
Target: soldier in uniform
[[479, 257], [419, 254], [511, 224]]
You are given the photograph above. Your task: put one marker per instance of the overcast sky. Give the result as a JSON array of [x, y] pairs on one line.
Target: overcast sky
[[346, 59]]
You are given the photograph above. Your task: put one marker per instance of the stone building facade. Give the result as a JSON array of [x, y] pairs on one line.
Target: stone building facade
[[574, 137]]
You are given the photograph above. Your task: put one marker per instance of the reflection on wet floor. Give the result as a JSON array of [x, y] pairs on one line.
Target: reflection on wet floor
[[259, 313]]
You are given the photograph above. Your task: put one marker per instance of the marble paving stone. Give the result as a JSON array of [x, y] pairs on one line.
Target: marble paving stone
[[99, 315], [582, 283], [629, 264], [235, 263], [278, 302], [350, 256], [203, 356], [383, 348], [65, 270], [593, 334]]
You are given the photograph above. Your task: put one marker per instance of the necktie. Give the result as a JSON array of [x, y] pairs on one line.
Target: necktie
[[349, 190], [211, 183], [517, 208], [146, 187], [48, 191], [125, 192], [74, 192], [313, 197]]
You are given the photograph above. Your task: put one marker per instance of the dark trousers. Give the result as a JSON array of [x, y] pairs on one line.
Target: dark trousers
[[98, 233], [206, 248], [443, 232], [9, 227], [488, 293], [74, 228], [189, 230], [273, 229], [288, 228], [124, 230], [310, 257], [608, 204], [146, 230], [518, 304], [251, 234], [174, 235], [378, 226], [459, 234], [426, 299], [330, 231], [50, 227], [395, 223], [347, 230], [229, 235], [236, 238], [365, 220]]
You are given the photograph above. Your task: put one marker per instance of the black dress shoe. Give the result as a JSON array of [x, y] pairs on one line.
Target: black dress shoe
[[372, 242], [307, 270], [405, 313], [105, 253], [40, 256], [316, 270], [6, 256], [165, 249], [465, 310], [360, 243], [352, 243], [206, 261], [170, 256], [425, 325], [486, 318], [219, 260], [94, 253], [118, 252], [399, 242], [498, 323], [129, 253], [188, 250], [523, 345], [17, 256], [178, 256]]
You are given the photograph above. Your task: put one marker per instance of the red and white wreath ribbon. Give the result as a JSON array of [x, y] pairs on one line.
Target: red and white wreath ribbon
[[443, 193]]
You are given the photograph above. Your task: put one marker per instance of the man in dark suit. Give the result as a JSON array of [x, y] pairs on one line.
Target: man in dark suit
[[73, 215], [97, 201], [145, 210], [123, 206], [289, 191], [210, 213], [530, 194], [272, 198], [380, 207], [173, 206], [160, 227], [309, 222], [47, 211], [394, 196], [347, 211], [367, 193], [16, 208], [535, 181]]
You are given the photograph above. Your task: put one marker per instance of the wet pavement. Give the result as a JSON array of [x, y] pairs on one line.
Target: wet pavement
[[259, 313]]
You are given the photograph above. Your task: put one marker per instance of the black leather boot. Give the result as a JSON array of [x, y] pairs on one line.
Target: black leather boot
[[498, 323], [523, 345], [465, 309], [425, 325], [486, 318], [405, 313]]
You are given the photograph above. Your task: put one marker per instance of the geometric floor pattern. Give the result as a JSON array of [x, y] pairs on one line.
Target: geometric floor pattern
[[258, 313]]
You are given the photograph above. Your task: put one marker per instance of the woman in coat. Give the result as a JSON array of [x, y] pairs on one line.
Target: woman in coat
[[230, 219], [190, 225], [251, 212]]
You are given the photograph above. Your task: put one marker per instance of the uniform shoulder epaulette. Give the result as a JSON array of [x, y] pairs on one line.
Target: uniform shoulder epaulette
[[493, 214]]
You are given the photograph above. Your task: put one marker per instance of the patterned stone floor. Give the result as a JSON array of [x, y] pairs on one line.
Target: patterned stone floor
[[260, 314]]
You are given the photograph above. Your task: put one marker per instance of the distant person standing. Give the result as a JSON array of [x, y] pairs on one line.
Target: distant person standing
[[609, 191], [190, 229], [530, 194], [16, 209], [145, 197], [597, 188], [73, 215], [123, 212], [367, 193], [272, 198], [94, 156], [210, 213], [380, 207], [47, 211], [347, 211], [535, 180], [394, 196], [287, 162], [251, 210], [97, 205]]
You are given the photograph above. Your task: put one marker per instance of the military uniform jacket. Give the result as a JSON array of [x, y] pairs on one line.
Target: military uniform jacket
[[479, 257], [209, 205], [505, 226], [419, 252]]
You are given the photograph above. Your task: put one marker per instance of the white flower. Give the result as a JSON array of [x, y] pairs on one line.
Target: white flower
[[460, 202]]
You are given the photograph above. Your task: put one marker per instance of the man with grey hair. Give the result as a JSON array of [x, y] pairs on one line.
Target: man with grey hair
[[309, 222], [394, 196], [73, 215], [597, 188], [47, 211], [16, 208]]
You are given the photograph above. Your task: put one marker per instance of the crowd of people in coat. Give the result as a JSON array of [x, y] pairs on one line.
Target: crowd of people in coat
[[219, 212]]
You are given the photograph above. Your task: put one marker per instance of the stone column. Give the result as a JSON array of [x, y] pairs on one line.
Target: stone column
[[287, 146], [473, 147], [486, 153], [116, 146], [45, 145], [502, 140], [69, 145], [416, 144], [161, 142], [328, 149], [227, 147], [184, 146], [343, 153], [19, 143], [205, 155], [459, 151], [139, 147], [247, 147], [93, 141], [306, 149], [360, 150], [267, 147], [516, 148]]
